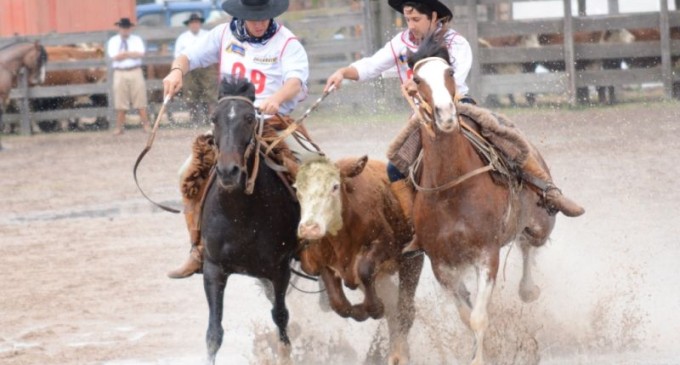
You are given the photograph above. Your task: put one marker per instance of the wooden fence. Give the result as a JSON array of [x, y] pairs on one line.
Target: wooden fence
[[336, 37], [568, 81]]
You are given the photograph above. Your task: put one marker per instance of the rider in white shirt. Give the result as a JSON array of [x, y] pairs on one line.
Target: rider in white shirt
[[425, 17], [253, 46]]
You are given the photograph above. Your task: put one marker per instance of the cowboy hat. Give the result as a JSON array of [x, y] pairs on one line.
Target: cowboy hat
[[438, 7], [124, 23], [193, 17], [255, 9]]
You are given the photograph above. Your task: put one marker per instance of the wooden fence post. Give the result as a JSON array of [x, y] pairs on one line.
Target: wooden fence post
[[111, 112], [666, 66], [613, 6], [24, 106], [569, 56]]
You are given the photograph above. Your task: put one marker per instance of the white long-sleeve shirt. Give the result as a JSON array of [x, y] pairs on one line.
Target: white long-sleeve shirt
[[267, 66], [116, 46], [394, 54]]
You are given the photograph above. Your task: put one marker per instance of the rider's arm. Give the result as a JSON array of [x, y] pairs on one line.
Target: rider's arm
[[295, 68], [366, 68], [291, 88]]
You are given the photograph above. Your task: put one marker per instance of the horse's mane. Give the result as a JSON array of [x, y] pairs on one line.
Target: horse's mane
[[235, 86], [42, 58], [434, 45]]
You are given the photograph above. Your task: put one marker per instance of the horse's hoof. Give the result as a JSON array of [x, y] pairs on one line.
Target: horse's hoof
[[358, 313], [529, 293], [377, 312]]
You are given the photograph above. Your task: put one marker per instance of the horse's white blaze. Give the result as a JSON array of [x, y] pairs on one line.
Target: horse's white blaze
[[318, 187], [444, 109]]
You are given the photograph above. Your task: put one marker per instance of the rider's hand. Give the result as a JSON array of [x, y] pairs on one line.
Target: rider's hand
[[270, 106], [335, 79], [172, 83]]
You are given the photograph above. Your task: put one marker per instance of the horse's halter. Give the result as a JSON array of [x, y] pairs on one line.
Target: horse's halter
[[418, 102], [253, 144]]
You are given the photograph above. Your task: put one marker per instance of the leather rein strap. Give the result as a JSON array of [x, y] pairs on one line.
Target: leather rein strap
[[146, 149], [424, 112]]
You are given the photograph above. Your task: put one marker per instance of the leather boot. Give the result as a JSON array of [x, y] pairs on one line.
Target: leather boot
[[405, 194], [192, 265], [551, 194]]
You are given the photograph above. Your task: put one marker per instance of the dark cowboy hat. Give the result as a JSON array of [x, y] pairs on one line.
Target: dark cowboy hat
[[124, 23], [438, 7], [194, 16], [255, 9]]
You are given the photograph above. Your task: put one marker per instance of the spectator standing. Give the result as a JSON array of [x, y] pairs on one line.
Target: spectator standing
[[129, 88]]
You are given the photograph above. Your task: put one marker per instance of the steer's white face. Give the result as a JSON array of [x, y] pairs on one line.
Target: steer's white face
[[318, 185]]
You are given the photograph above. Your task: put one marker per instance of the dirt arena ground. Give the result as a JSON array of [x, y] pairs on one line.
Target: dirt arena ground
[[83, 256]]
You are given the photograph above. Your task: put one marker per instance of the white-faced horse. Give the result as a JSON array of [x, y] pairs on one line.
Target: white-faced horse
[[461, 216]]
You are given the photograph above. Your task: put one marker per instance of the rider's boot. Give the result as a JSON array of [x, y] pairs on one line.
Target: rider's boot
[[405, 194], [194, 263], [552, 195]]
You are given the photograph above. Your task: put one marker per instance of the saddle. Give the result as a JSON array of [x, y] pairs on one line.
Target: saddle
[[489, 128]]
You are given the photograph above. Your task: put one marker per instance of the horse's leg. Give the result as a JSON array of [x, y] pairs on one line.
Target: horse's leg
[[409, 275], [338, 300], [451, 279], [479, 318], [280, 312], [214, 282], [528, 290], [367, 270]]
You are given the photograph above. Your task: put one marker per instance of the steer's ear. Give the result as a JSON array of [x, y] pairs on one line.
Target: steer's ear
[[355, 168]]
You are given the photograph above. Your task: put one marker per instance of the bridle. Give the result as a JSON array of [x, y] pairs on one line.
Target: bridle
[[420, 106], [254, 143], [425, 114]]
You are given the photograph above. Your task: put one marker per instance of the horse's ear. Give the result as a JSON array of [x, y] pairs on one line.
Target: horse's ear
[[37, 45], [354, 169]]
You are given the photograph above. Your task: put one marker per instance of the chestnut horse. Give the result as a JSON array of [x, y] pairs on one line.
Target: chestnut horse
[[13, 58], [251, 232], [461, 216]]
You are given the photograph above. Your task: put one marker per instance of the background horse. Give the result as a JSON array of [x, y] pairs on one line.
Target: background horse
[[465, 225], [13, 57], [252, 234]]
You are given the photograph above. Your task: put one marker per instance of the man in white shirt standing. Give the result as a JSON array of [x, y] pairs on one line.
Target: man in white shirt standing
[[200, 85], [126, 51]]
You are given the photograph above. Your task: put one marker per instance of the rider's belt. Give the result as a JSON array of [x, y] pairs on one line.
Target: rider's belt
[[127, 68]]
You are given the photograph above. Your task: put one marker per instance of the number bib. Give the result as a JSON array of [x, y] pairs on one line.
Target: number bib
[[261, 64]]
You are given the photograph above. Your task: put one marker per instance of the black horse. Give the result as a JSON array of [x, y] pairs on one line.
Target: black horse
[[252, 234]]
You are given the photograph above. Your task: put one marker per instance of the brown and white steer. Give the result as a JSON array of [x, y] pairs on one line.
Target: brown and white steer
[[356, 231]]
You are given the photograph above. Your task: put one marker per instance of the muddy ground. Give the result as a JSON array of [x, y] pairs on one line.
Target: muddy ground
[[83, 256]]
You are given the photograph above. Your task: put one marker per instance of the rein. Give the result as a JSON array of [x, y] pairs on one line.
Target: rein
[[147, 148], [293, 126]]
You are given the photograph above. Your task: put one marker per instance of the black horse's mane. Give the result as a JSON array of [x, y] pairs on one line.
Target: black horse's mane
[[235, 86], [42, 58], [434, 45]]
